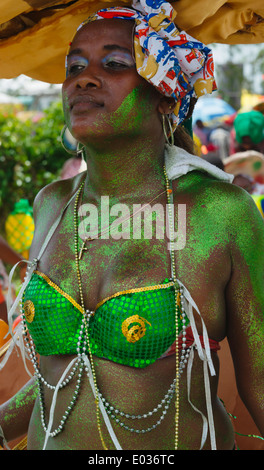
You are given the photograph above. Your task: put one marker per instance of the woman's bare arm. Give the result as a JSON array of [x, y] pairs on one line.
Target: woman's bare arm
[[245, 304], [16, 412]]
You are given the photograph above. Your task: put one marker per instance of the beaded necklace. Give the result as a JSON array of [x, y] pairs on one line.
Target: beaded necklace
[[83, 348], [106, 230], [180, 364]]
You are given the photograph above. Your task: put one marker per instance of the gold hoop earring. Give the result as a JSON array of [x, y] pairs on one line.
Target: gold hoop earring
[[169, 138]]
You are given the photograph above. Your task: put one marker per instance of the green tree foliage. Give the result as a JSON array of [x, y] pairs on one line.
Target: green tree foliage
[[31, 156], [260, 66]]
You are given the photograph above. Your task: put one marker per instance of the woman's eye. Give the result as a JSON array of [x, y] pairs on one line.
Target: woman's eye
[[115, 64], [119, 62], [74, 69], [75, 65]]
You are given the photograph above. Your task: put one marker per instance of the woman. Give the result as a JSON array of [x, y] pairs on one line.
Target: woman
[[127, 373]]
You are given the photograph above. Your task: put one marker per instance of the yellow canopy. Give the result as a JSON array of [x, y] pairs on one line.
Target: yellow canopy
[[34, 34]]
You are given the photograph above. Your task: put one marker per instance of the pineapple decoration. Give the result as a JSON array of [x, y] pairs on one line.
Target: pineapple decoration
[[19, 228]]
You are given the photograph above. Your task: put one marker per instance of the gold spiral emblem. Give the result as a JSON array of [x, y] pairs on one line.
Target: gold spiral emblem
[[29, 310], [134, 328]]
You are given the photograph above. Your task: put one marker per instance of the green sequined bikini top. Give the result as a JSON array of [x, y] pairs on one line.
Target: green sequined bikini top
[[133, 327]]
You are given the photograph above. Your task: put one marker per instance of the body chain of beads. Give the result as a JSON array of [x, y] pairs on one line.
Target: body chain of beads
[[112, 412], [177, 292], [79, 366], [83, 347]]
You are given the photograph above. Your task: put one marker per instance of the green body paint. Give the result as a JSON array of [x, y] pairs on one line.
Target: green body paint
[[132, 112], [214, 236], [222, 221], [24, 398], [135, 108]]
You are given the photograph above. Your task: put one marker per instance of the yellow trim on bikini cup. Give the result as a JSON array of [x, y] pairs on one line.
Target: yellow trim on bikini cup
[[58, 289], [112, 333], [117, 294], [136, 289]]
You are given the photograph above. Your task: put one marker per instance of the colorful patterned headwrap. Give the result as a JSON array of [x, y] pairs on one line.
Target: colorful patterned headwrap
[[178, 65]]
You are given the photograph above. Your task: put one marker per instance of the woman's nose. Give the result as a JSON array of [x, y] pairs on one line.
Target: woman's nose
[[87, 79]]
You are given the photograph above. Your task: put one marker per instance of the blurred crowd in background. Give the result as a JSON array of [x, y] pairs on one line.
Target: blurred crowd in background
[[236, 145]]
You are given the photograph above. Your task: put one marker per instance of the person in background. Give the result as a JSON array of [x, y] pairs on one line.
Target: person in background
[[249, 131], [214, 159], [201, 131], [245, 182], [220, 138]]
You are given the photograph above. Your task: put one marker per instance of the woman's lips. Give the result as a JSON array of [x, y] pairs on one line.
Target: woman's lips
[[83, 103]]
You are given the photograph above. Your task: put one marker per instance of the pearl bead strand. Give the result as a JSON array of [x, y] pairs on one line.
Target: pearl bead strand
[[83, 348]]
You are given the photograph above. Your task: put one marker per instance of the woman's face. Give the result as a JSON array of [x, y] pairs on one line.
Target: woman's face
[[103, 94]]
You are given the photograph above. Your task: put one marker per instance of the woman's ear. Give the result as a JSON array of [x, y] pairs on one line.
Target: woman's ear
[[166, 105]]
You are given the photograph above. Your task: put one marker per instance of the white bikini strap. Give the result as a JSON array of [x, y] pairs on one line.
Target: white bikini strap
[[205, 356], [189, 305], [31, 268], [189, 379], [101, 405], [13, 307], [54, 400]]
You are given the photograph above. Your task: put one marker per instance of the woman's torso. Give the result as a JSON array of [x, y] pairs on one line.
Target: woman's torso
[[110, 266]]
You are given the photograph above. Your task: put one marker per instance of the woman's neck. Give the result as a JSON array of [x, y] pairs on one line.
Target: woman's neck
[[126, 170]]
